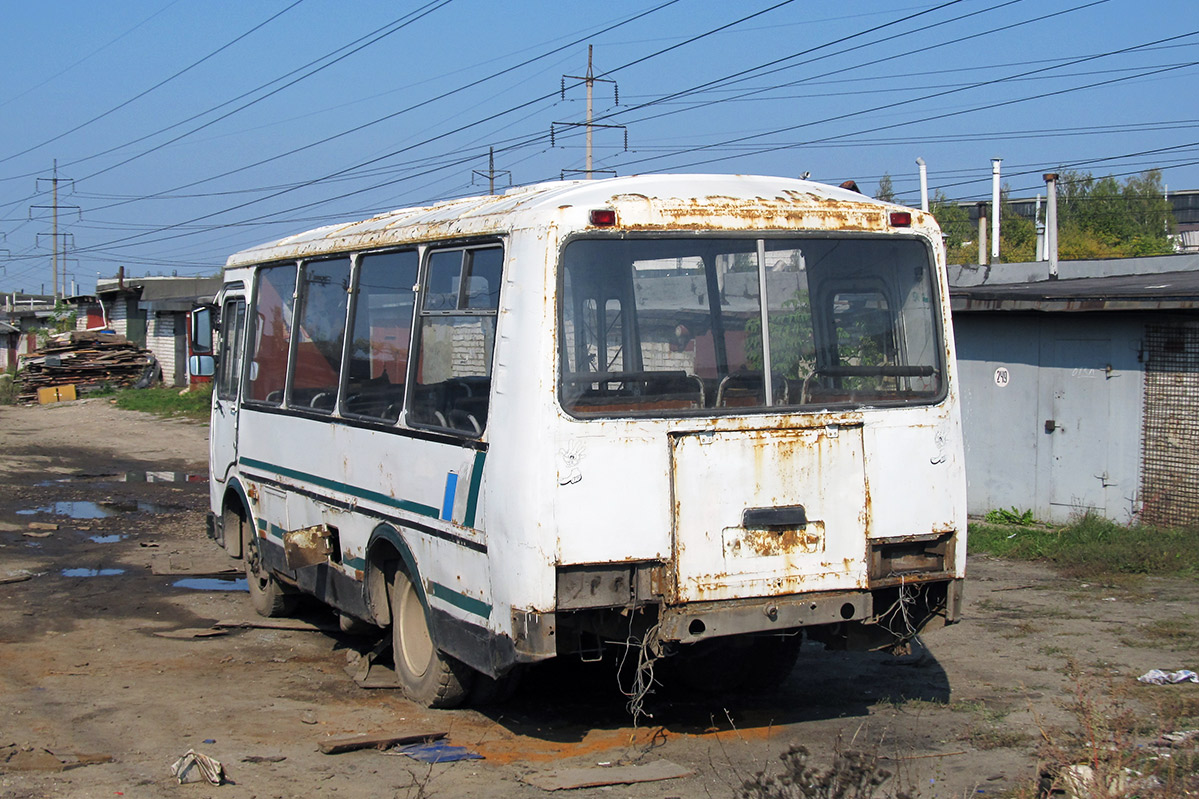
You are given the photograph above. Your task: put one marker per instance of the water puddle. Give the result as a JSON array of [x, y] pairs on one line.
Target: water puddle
[[92, 572], [85, 509], [213, 583], [162, 477], [128, 477], [106, 539], [74, 510]]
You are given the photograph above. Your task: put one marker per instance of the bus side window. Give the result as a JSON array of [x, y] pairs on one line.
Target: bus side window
[[233, 328], [457, 339], [272, 320], [380, 332], [324, 292]]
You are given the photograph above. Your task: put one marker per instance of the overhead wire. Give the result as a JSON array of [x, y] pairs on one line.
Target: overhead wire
[[156, 86], [876, 62], [415, 106], [90, 55], [342, 174], [931, 118], [435, 137]]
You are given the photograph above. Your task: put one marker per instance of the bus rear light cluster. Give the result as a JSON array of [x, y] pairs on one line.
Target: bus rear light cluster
[[603, 217]]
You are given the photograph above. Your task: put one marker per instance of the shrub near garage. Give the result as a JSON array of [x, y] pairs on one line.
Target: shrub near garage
[[1092, 546]]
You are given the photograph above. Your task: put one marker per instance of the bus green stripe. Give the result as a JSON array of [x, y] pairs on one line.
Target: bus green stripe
[[467, 603], [334, 485], [476, 480]]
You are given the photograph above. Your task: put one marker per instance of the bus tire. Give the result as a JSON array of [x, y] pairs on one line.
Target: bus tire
[[428, 677], [233, 523], [268, 596]]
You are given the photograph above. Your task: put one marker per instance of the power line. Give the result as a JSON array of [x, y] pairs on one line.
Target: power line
[[429, 139], [158, 85], [922, 98], [412, 107], [95, 52], [875, 62]]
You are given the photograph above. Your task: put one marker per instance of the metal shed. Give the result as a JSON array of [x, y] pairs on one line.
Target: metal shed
[[1082, 394]]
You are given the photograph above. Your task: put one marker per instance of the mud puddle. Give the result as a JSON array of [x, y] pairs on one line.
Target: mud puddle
[[212, 584], [86, 509]]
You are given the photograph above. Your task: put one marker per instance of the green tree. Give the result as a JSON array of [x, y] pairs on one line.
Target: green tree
[[956, 227], [1107, 219], [1017, 235], [886, 189]]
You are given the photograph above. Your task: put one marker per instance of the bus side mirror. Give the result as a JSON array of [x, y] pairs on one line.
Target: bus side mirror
[[201, 365], [201, 324]]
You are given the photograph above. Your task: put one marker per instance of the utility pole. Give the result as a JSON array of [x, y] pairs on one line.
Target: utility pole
[[54, 208], [590, 80], [491, 173]]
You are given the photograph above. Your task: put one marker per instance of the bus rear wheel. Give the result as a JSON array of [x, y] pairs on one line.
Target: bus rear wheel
[[267, 595], [428, 677]]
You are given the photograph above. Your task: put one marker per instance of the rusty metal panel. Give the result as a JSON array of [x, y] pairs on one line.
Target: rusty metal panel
[[649, 202], [720, 479], [307, 546]]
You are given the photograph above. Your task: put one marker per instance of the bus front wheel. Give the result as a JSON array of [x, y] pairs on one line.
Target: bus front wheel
[[427, 676], [268, 596]]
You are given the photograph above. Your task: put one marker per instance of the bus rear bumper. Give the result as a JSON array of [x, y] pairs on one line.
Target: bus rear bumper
[[887, 614]]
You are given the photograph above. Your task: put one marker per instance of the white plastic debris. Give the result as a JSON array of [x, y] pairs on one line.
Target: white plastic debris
[[193, 767], [1159, 677]]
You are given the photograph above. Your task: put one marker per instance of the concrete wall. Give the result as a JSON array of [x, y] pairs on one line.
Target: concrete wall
[[1081, 371]]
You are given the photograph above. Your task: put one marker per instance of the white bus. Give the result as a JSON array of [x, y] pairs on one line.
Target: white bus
[[690, 414]]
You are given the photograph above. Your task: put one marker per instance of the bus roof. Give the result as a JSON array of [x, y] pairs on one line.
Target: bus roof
[[642, 202]]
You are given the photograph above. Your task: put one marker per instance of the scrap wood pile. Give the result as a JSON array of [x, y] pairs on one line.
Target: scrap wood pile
[[87, 359]]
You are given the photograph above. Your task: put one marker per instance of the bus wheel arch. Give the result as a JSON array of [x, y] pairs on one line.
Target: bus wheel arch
[[269, 597], [397, 599], [235, 518]]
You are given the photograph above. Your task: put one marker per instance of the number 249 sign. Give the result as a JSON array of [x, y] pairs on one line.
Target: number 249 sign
[[1002, 376]]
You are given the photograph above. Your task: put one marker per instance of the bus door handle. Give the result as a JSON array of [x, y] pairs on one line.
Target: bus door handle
[[788, 516]]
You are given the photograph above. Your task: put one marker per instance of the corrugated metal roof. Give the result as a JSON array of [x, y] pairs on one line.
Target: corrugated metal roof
[[181, 288], [1161, 290], [689, 202]]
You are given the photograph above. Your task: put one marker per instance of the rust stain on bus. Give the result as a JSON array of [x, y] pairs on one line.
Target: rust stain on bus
[[772, 543]]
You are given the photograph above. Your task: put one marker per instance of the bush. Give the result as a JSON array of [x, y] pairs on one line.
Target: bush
[[8, 388], [1092, 545]]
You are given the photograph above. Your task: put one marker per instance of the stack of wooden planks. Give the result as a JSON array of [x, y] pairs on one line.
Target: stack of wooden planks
[[87, 359]]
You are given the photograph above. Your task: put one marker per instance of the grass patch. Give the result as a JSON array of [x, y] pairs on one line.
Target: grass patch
[[168, 402], [1175, 633], [8, 388], [1093, 547]]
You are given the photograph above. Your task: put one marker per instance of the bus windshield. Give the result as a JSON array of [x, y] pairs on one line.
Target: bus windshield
[[675, 326]]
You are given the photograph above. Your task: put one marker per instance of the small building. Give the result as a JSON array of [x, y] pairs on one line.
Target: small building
[[22, 318], [152, 312], [10, 339], [1081, 394]]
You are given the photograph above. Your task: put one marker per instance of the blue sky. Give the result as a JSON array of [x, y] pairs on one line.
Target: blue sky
[[185, 131]]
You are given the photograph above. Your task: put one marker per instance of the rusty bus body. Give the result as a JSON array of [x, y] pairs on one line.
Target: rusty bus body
[[678, 412]]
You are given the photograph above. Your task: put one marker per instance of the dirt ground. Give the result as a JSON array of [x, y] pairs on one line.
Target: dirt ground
[[107, 654]]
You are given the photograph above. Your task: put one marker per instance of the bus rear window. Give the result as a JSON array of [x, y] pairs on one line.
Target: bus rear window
[[679, 326]]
